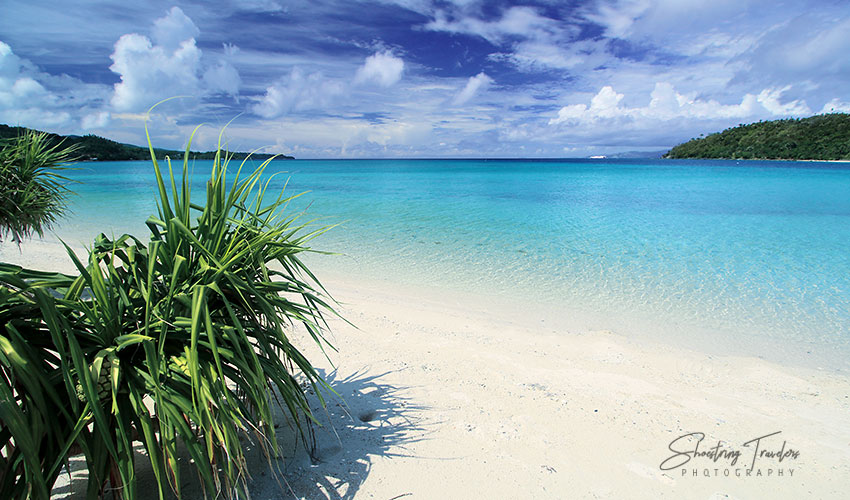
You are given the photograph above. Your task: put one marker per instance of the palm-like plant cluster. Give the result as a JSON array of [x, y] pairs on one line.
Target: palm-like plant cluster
[[185, 339], [32, 193]]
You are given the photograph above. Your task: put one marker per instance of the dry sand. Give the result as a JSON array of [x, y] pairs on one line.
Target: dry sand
[[462, 397]]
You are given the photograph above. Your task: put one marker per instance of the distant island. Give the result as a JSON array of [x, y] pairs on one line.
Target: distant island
[[819, 137], [95, 148], [648, 155]]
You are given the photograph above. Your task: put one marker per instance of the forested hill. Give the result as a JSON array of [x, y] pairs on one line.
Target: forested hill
[[820, 137], [92, 147]]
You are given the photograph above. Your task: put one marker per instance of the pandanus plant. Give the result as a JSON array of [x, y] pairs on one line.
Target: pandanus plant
[[32, 190], [182, 340]]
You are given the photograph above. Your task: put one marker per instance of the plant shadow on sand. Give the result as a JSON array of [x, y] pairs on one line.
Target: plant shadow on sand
[[373, 419]]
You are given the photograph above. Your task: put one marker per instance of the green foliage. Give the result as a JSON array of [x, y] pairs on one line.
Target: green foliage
[[32, 192], [183, 339], [820, 137], [92, 147]]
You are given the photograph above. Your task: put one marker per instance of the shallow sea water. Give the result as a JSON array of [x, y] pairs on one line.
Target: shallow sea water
[[753, 254]]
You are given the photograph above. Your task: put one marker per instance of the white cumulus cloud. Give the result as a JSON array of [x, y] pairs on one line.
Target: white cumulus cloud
[[474, 85], [770, 99], [298, 92], [100, 119], [836, 106], [223, 77], [172, 30], [31, 98], [170, 65], [10, 64], [667, 104], [382, 68], [18, 89]]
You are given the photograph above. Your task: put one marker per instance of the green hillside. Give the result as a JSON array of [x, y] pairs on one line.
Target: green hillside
[[819, 137], [92, 147]]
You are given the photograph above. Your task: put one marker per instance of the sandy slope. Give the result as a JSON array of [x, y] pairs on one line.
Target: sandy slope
[[460, 397], [487, 403]]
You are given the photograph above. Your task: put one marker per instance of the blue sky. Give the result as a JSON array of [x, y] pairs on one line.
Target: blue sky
[[421, 78]]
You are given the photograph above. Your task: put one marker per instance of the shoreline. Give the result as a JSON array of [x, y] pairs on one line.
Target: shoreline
[[550, 316], [549, 411], [447, 396]]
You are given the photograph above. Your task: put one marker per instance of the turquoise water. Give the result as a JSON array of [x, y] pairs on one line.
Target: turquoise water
[[752, 254]]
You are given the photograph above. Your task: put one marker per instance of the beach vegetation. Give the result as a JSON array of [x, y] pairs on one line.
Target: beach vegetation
[[820, 137], [181, 344], [33, 191]]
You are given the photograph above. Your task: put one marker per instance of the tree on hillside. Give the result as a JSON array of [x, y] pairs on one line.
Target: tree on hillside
[[819, 137]]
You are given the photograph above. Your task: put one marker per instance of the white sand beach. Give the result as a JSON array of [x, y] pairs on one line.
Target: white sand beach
[[461, 397]]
